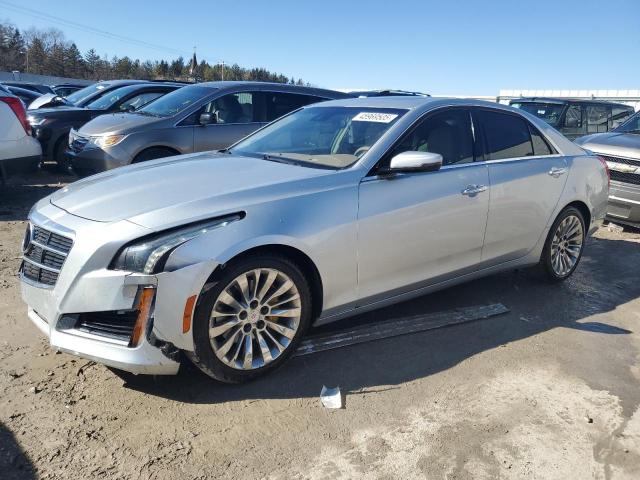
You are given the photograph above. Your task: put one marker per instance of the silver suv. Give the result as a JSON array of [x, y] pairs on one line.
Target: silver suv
[[206, 116]]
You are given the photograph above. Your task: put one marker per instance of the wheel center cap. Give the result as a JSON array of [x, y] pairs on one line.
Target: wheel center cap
[[254, 316]]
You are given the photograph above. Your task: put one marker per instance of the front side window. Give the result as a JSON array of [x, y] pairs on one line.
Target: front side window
[[597, 118], [232, 108], [141, 100], [330, 137], [108, 99], [447, 133], [506, 135], [78, 96], [549, 112], [632, 125]]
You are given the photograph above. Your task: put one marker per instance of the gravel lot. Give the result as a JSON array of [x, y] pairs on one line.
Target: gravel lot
[[550, 390]]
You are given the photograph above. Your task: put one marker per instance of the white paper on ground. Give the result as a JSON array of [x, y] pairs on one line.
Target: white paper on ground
[[330, 397]]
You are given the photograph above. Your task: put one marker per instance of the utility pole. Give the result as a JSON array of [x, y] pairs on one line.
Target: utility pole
[[222, 63]]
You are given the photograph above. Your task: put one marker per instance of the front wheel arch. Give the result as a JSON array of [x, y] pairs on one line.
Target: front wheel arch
[[140, 155]]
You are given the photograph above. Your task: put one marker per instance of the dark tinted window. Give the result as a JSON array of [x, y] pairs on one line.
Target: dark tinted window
[[447, 133], [597, 118], [506, 135], [632, 125], [540, 145], [549, 112], [281, 103], [618, 115]]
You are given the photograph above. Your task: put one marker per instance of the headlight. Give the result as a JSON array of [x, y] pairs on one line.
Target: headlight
[[105, 141], [148, 255], [35, 122]]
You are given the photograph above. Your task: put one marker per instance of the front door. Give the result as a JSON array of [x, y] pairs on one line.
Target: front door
[[418, 228], [234, 113]]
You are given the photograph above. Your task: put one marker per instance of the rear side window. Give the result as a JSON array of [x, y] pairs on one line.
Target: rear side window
[[506, 135], [618, 116], [540, 145], [281, 103]]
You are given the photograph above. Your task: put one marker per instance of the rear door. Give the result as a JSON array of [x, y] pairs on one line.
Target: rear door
[[526, 176]]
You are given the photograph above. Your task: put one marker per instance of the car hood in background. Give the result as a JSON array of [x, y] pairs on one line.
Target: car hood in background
[[167, 192], [615, 144], [62, 112], [117, 123], [47, 100]]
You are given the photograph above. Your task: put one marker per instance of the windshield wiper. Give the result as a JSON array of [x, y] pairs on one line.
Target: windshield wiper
[[146, 114], [279, 159]]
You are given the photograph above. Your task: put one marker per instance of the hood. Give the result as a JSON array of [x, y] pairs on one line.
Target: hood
[[48, 100], [61, 112], [616, 144], [172, 191], [117, 123]]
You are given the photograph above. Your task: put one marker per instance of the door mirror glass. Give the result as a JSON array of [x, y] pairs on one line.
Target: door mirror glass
[[416, 162], [208, 118]]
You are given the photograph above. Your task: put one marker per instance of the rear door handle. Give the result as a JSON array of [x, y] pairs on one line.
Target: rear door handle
[[557, 171], [472, 190]]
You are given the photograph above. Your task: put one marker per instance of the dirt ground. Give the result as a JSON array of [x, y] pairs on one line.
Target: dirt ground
[[550, 390]]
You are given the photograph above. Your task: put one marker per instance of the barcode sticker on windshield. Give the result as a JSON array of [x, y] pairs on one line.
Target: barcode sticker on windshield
[[374, 117]]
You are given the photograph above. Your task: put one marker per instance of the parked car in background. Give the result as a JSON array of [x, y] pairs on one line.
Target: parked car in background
[[61, 89], [51, 126], [27, 96], [575, 118], [386, 93], [621, 149], [335, 209], [205, 116], [19, 151], [82, 97]]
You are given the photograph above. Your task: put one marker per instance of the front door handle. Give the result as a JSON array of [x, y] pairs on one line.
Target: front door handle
[[555, 172], [473, 190]]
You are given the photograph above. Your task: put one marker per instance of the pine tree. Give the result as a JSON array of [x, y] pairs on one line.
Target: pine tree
[[92, 63], [37, 57]]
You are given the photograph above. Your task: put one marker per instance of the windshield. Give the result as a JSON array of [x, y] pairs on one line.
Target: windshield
[[176, 101], [110, 98], [549, 112], [77, 97], [632, 125], [333, 137]]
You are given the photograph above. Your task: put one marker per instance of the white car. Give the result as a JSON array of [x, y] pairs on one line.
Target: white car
[[19, 151]]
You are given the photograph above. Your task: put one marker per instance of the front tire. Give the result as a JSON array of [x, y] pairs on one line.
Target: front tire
[[252, 319], [564, 245], [153, 153]]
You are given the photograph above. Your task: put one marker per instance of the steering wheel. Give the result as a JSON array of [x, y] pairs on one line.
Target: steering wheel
[[361, 151]]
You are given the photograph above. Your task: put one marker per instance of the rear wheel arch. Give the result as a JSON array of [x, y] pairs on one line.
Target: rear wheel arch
[[582, 208]]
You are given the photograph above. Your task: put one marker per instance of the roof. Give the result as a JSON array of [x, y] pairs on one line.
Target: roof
[[562, 101], [410, 102], [284, 86]]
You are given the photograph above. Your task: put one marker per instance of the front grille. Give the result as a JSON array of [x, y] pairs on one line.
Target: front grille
[[116, 324], [44, 253], [626, 161], [632, 178]]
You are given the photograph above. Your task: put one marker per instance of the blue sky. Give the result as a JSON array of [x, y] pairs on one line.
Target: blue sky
[[439, 47]]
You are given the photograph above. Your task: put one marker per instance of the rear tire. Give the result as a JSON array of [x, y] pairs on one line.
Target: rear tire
[[153, 153], [564, 245], [252, 319]]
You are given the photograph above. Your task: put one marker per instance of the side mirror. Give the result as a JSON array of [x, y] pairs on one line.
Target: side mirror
[[415, 162], [208, 118], [128, 108]]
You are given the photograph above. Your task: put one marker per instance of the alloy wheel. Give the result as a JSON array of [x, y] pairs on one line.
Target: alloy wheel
[[566, 245], [254, 318]]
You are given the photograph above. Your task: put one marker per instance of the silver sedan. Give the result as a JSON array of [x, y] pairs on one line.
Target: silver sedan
[[335, 209]]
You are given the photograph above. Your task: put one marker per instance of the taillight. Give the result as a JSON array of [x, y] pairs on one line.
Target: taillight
[[606, 168], [16, 105]]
